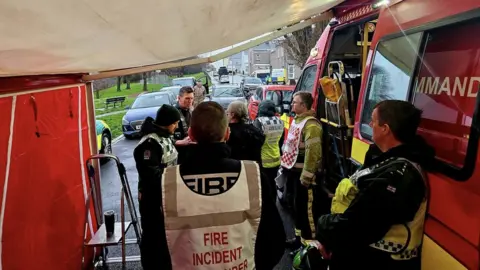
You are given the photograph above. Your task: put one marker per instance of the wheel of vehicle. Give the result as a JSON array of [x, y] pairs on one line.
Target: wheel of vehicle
[[128, 137], [106, 146]]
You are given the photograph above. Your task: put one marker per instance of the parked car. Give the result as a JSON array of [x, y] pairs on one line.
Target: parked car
[[222, 71], [224, 79], [226, 94], [250, 84], [184, 81], [172, 89], [145, 105], [104, 139], [281, 95]]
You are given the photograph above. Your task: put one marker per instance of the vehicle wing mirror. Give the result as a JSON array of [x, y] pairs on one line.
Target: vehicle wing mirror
[[127, 107]]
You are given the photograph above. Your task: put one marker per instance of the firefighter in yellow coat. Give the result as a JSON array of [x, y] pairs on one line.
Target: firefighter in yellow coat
[[300, 162]]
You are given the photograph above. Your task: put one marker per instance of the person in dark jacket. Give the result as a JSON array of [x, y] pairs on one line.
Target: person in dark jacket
[[184, 106], [273, 129], [152, 155], [382, 226], [208, 158], [245, 140]]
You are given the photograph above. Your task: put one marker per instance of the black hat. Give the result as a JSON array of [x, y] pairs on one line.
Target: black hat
[[167, 115]]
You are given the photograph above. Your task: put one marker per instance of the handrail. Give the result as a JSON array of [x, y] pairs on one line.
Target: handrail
[[335, 124]]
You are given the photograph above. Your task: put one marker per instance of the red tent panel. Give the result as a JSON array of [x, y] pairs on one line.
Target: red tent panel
[[6, 112], [44, 213]]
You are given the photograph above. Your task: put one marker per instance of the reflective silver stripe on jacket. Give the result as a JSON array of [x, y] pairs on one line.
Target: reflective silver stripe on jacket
[[272, 127], [170, 154]]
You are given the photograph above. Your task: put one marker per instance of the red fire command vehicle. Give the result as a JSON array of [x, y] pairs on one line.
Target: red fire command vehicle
[[426, 52]]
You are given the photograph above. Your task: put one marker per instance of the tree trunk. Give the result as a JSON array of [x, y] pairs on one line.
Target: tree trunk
[[119, 84], [145, 81], [127, 78], [298, 44]]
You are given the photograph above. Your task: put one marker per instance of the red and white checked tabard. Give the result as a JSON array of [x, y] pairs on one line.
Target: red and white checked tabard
[[290, 147]]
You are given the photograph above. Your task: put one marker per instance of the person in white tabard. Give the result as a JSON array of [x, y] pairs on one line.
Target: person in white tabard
[[218, 212]]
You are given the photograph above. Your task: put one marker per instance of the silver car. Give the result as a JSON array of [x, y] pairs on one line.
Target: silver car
[[226, 94]]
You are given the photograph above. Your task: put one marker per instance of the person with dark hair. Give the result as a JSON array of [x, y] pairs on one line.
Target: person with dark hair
[[379, 212], [152, 155], [245, 140], [273, 129], [217, 211], [300, 163], [184, 106]]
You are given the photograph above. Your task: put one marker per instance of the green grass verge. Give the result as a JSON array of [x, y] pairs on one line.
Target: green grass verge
[[115, 123], [135, 89], [115, 120], [130, 95]]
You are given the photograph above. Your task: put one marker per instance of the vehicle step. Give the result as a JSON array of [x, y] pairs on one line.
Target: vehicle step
[[131, 241], [100, 238], [135, 258]]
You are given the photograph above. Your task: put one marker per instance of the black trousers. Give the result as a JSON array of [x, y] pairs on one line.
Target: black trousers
[[153, 251], [302, 204], [271, 173]]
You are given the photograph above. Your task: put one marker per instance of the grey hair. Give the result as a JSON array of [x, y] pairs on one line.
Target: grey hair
[[239, 110]]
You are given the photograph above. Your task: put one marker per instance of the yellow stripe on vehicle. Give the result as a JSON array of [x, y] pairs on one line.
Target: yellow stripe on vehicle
[[359, 149], [434, 257], [311, 221]]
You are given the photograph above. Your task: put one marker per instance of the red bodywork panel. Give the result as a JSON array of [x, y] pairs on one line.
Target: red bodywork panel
[[349, 11], [451, 79], [453, 221]]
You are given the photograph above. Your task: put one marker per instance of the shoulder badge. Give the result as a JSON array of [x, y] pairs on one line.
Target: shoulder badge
[[391, 189], [146, 155]]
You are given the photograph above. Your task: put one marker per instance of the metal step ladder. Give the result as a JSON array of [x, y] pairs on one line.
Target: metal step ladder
[[100, 239], [337, 118]]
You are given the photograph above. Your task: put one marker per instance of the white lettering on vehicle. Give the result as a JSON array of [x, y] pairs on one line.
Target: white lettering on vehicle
[[457, 86]]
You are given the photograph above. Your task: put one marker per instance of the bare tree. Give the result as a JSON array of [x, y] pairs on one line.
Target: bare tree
[[298, 44], [145, 81], [119, 84], [127, 79]]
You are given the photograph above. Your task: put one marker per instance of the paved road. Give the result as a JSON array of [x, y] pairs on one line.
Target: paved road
[[233, 79], [110, 184]]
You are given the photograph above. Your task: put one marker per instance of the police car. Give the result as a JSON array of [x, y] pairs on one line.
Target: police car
[[104, 138]]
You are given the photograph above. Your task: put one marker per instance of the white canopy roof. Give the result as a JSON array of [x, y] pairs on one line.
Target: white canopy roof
[[73, 36]]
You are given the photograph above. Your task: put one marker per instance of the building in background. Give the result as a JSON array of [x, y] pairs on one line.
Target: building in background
[[235, 62], [280, 59], [245, 63], [259, 57]]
